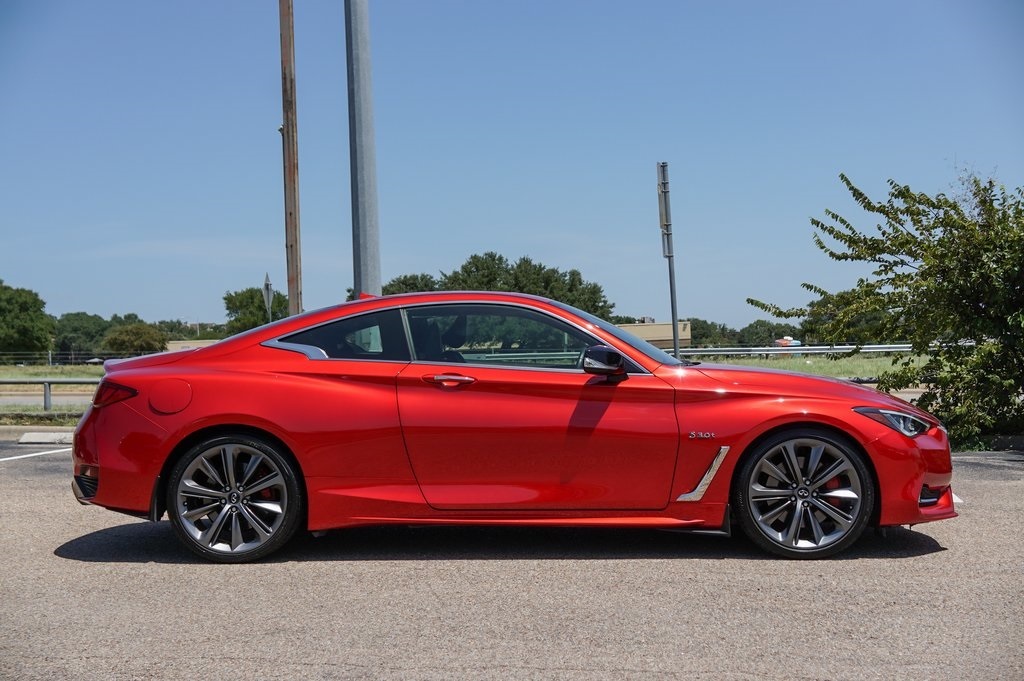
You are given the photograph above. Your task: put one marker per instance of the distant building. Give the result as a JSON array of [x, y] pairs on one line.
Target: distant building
[[175, 345], [660, 335]]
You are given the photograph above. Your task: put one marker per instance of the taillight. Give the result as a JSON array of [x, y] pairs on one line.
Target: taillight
[[109, 393]]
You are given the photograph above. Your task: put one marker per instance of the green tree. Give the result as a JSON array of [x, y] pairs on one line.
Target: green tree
[[861, 329], [487, 272], [130, 318], [411, 283], [494, 272], [705, 334], [246, 309], [78, 334], [762, 333], [24, 324], [179, 329], [135, 339], [949, 278], [176, 329]]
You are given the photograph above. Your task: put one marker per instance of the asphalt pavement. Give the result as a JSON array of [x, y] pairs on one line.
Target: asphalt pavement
[[86, 593]]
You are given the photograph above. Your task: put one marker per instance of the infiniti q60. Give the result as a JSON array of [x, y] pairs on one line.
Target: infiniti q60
[[494, 408]]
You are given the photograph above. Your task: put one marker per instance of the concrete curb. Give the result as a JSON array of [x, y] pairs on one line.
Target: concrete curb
[[51, 438], [16, 433]]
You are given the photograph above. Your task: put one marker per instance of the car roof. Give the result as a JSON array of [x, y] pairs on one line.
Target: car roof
[[289, 325]]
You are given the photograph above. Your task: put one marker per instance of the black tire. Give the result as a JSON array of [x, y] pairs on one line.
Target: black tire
[[234, 499], [804, 493]]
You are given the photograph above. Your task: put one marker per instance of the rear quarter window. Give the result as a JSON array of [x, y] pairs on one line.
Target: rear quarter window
[[374, 336]]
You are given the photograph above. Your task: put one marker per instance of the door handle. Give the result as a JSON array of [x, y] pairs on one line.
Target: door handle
[[449, 380]]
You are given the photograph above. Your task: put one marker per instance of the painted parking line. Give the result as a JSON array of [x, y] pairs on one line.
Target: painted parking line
[[28, 456]]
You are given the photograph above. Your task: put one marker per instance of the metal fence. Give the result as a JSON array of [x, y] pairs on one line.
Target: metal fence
[[48, 384], [69, 358], [54, 358], [797, 350], [892, 348]]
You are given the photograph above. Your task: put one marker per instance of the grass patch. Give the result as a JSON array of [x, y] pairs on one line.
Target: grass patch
[[56, 371], [857, 366], [32, 409], [40, 418]]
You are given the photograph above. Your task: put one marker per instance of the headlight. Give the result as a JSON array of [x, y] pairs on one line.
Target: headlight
[[911, 426]]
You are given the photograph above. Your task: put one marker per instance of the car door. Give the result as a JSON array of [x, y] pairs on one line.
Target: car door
[[497, 414], [344, 407]]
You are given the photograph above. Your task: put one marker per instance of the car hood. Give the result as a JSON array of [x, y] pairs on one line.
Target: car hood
[[793, 384]]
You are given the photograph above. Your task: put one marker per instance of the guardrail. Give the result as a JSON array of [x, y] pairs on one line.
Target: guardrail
[[796, 349], [56, 358], [47, 384]]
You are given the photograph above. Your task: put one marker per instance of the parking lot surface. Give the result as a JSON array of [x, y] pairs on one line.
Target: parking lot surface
[[90, 594]]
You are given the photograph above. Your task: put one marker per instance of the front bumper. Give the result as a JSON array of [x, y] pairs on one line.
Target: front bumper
[[915, 476]]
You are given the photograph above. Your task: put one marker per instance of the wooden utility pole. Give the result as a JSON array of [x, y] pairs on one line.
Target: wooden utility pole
[[290, 142]]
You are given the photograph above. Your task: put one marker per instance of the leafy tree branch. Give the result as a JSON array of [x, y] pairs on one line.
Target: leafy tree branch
[[949, 278]]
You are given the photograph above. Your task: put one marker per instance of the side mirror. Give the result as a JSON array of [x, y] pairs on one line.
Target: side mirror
[[605, 361]]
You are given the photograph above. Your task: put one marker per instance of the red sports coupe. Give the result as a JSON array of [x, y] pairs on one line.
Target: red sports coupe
[[494, 408]]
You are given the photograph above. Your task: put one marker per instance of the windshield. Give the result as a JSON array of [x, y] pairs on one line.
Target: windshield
[[655, 353]]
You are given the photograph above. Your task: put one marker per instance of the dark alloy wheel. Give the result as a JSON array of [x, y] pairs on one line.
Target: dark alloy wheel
[[804, 494], [234, 499]]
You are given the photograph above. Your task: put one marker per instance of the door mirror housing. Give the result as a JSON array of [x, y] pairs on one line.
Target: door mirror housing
[[605, 361]]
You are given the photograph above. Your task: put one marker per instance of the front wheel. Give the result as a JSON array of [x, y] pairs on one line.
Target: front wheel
[[234, 499], [804, 494]]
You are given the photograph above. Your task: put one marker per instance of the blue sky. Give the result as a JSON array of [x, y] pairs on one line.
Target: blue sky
[[142, 162]]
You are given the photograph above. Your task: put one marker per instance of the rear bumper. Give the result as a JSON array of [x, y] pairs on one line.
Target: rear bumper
[[84, 488], [117, 459]]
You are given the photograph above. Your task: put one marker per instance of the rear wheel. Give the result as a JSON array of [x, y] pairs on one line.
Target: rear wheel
[[804, 494], [234, 499]]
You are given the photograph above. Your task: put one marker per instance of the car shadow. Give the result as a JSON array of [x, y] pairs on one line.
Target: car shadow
[[156, 543]]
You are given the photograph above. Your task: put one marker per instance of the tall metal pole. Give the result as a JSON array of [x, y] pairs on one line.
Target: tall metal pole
[[290, 143], [665, 213], [363, 160]]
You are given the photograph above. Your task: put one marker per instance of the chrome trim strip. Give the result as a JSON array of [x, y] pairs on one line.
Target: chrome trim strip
[[310, 351], [470, 364], [698, 492], [453, 378]]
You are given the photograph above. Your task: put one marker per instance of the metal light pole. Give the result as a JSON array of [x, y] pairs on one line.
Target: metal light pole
[[665, 213], [290, 142], [363, 161]]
